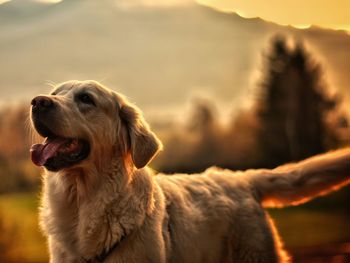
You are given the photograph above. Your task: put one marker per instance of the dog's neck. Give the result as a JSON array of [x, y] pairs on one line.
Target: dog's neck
[[114, 190], [84, 181]]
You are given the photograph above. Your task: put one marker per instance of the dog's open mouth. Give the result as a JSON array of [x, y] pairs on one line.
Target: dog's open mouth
[[57, 153]]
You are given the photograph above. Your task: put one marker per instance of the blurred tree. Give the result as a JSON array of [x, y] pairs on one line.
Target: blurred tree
[[204, 124], [196, 147], [293, 106], [16, 171], [203, 118]]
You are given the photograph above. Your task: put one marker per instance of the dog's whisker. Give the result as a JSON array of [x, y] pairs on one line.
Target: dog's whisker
[[51, 83]]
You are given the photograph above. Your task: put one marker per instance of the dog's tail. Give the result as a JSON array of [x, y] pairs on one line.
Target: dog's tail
[[297, 183]]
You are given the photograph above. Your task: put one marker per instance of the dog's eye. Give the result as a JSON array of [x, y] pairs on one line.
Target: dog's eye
[[86, 99]]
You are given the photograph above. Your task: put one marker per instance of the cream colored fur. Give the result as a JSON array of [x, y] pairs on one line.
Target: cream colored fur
[[216, 216]]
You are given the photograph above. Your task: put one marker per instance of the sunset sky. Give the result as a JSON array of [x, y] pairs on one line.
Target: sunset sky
[[330, 14], [299, 13]]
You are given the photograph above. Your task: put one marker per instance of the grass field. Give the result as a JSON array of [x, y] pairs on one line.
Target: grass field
[[24, 241], [299, 227]]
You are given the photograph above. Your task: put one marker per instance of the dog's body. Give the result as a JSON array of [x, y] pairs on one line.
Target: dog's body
[[104, 205]]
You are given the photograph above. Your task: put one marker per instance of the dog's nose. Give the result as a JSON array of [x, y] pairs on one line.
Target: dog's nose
[[42, 103]]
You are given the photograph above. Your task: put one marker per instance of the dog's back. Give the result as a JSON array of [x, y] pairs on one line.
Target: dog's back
[[223, 210]]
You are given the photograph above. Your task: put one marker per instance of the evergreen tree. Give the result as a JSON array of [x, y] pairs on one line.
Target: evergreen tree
[[293, 106]]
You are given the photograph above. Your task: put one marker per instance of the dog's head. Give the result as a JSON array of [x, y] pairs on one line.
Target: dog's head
[[83, 122]]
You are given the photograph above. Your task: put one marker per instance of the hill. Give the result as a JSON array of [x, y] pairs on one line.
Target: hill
[[156, 56]]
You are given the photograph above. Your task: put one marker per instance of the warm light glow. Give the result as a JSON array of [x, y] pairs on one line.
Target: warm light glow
[[4, 1], [298, 13], [302, 26], [242, 14]]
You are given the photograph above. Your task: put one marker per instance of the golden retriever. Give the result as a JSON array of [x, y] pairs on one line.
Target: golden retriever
[[100, 203]]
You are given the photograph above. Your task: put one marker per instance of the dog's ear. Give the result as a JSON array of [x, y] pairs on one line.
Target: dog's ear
[[142, 142]]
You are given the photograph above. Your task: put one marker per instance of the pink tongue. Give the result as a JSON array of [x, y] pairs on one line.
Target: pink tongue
[[40, 153]]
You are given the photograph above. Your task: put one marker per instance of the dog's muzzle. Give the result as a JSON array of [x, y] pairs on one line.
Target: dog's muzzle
[[56, 152]]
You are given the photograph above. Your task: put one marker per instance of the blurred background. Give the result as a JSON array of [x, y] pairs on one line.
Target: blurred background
[[237, 84]]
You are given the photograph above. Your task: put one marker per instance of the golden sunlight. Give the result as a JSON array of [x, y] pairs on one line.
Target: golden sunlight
[[298, 13]]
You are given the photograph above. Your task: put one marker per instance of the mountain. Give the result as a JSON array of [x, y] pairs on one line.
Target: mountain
[[157, 56]]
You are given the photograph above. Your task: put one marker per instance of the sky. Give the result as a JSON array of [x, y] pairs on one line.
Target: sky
[[332, 14]]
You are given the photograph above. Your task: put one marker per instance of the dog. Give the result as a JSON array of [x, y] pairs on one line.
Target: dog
[[100, 202]]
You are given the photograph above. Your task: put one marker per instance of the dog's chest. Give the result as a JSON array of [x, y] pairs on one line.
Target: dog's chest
[[59, 220], [80, 233], [64, 220], [88, 228]]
